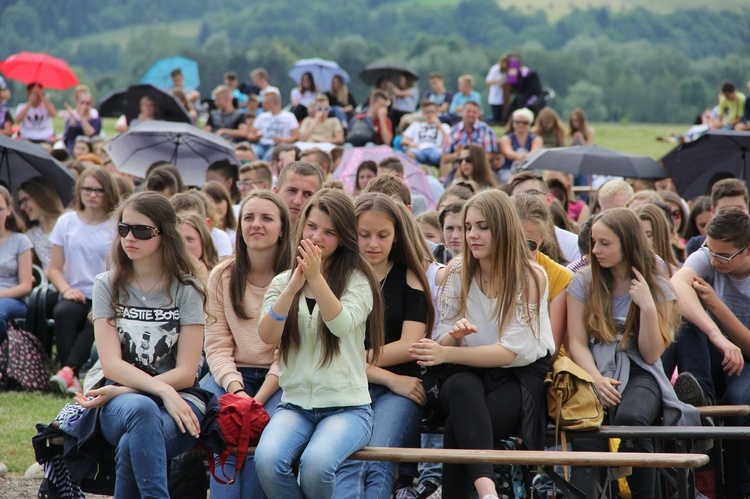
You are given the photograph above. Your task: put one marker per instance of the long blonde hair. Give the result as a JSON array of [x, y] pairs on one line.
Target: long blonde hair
[[511, 268], [597, 310], [661, 234]]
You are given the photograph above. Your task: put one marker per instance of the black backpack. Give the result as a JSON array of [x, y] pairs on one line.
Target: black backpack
[[361, 131]]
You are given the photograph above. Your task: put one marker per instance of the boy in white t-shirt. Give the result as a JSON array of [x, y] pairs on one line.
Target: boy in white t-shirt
[[423, 140], [35, 116]]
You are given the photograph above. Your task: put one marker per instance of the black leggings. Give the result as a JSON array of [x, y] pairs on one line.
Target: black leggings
[[476, 419], [640, 406], [74, 332]]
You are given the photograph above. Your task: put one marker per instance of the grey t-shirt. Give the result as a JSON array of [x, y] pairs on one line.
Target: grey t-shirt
[[10, 250], [149, 329], [734, 292], [579, 289]]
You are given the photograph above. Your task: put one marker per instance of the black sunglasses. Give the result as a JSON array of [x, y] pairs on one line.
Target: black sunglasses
[[142, 232], [533, 245]]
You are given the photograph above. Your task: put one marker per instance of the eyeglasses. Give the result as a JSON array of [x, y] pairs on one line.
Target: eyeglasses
[[247, 183], [719, 258], [533, 245], [520, 122], [141, 232], [87, 102], [462, 160], [96, 191]]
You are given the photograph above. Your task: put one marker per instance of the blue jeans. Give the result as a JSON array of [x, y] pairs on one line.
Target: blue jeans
[[429, 156], [145, 436], [396, 423], [263, 151], [10, 309], [246, 483], [432, 472], [322, 439]]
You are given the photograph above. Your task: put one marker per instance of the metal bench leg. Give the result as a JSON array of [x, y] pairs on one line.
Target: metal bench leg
[[684, 491], [565, 486]]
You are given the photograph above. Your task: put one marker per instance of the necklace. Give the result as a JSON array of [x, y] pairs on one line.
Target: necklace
[[385, 278], [150, 290]]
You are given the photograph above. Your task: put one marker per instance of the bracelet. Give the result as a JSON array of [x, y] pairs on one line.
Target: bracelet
[[238, 391], [63, 293], [276, 317]]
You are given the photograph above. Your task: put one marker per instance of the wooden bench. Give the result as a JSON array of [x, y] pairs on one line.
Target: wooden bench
[[546, 460]]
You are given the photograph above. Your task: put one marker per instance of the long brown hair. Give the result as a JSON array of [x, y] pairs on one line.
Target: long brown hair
[[481, 172], [106, 180], [511, 266], [240, 265], [218, 192], [338, 206], [405, 250], [597, 310], [661, 235], [44, 194], [531, 209], [176, 261], [209, 255]]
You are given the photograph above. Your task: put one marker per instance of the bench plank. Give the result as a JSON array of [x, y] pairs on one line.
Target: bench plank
[[723, 411], [527, 457], [671, 432]]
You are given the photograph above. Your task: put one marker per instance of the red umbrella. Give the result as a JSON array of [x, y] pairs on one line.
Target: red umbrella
[[35, 67]]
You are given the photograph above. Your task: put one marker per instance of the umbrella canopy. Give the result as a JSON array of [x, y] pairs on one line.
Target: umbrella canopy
[[20, 161], [185, 146], [594, 160], [372, 73], [128, 102], [695, 166], [322, 72], [36, 67], [160, 74], [414, 176]]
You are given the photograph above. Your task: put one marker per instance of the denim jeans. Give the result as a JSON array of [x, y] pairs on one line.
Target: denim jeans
[[322, 439], [396, 423], [246, 483], [693, 352], [737, 461], [10, 309], [432, 472], [429, 156], [145, 436], [263, 151]]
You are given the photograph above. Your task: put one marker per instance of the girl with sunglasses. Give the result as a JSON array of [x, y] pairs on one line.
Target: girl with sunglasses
[[149, 315], [495, 330], [318, 313], [81, 243], [472, 164], [537, 228], [240, 362], [621, 317]]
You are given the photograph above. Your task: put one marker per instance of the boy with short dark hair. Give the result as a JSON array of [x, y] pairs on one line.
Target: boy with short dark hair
[[731, 105]]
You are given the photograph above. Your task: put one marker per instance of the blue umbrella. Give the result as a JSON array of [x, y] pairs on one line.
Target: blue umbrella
[[159, 75], [322, 72]]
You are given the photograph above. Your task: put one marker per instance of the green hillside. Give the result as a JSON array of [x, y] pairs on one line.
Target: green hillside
[[187, 30]]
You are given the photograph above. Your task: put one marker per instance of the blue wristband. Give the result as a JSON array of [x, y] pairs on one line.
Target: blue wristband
[[276, 317]]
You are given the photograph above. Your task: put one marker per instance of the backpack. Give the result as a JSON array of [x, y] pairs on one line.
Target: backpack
[[361, 131], [242, 421], [23, 363]]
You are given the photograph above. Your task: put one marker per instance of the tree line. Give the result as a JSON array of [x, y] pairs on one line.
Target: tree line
[[633, 65]]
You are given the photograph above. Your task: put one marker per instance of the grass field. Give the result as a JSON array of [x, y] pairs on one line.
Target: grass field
[[19, 412]]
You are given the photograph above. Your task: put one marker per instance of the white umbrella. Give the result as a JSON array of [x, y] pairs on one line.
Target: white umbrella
[[321, 70], [185, 146]]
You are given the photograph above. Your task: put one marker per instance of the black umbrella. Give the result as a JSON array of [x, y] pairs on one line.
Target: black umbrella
[[128, 102], [185, 146], [696, 166], [594, 160], [20, 161], [374, 72]]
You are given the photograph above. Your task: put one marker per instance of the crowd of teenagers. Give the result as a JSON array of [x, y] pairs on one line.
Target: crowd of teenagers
[[351, 320], [355, 316]]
